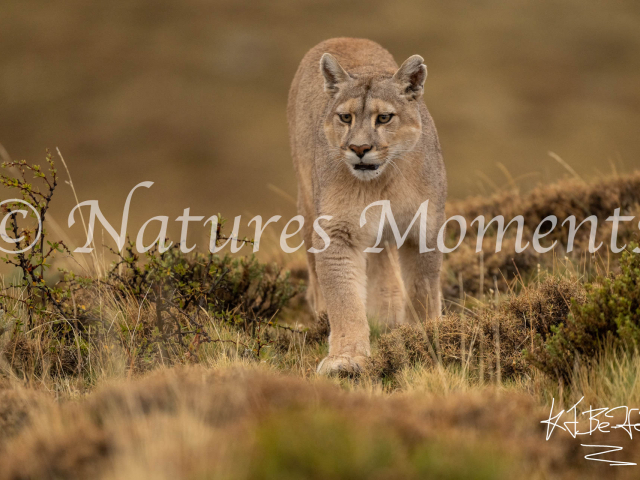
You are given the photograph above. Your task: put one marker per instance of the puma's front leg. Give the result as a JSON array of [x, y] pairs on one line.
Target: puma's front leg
[[341, 270]]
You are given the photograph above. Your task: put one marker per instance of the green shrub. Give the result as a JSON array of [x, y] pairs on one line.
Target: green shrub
[[609, 314], [164, 299], [241, 292]]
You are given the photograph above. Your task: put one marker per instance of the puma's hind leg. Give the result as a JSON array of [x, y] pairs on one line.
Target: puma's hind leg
[[421, 277], [385, 302]]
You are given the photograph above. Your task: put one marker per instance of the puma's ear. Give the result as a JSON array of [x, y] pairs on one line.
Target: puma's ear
[[333, 73], [411, 76]]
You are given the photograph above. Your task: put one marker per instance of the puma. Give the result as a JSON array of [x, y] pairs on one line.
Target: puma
[[360, 132]]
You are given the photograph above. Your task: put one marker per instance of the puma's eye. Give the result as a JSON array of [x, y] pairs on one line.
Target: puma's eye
[[384, 118], [345, 117]]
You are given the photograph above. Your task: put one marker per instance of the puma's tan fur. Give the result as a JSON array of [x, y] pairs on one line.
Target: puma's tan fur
[[341, 88]]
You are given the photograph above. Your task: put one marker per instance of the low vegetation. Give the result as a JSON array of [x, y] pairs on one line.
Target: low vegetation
[[195, 366]]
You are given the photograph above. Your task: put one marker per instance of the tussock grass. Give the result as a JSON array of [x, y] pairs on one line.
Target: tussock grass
[[506, 269], [249, 422], [488, 343]]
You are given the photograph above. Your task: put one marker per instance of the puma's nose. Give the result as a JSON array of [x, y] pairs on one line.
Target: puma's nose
[[360, 150]]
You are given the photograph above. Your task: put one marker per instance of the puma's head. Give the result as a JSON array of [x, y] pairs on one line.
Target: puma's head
[[372, 119]]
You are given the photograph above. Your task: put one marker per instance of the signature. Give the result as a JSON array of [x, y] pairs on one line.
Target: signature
[[599, 420]]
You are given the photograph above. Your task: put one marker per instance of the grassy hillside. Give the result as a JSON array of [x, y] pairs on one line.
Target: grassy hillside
[[200, 366]]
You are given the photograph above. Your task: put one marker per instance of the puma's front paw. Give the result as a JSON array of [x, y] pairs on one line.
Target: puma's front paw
[[342, 365]]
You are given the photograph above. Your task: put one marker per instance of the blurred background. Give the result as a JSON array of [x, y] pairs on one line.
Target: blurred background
[[192, 94]]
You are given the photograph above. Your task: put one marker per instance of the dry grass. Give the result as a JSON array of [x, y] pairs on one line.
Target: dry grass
[[249, 422], [231, 416]]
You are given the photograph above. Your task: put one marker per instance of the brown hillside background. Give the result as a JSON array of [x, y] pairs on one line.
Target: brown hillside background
[[192, 94]]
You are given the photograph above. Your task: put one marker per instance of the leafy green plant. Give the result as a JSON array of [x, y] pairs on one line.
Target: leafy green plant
[[46, 311], [610, 314], [33, 262]]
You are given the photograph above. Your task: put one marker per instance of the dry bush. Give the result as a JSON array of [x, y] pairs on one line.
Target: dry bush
[[498, 268], [157, 313], [472, 341], [157, 308], [31, 357], [562, 199]]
